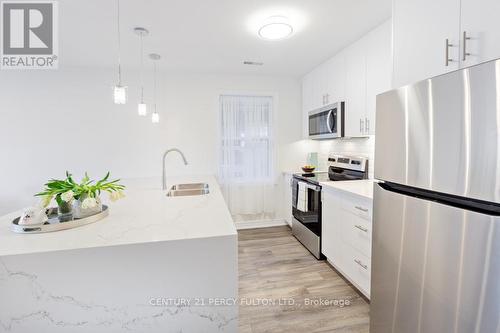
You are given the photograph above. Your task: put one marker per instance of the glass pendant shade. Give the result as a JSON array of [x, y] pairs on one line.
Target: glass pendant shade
[[142, 109], [155, 118], [120, 94]]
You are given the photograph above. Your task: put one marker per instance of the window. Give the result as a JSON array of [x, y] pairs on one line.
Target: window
[[246, 139]]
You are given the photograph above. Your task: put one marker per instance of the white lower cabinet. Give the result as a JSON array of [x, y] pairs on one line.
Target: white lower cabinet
[[357, 267], [330, 233], [347, 236]]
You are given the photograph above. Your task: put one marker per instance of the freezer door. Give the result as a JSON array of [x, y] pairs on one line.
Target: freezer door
[[443, 134], [435, 268]]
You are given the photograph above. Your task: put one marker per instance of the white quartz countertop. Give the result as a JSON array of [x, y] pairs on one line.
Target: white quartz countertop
[[362, 187], [292, 172], [145, 215]]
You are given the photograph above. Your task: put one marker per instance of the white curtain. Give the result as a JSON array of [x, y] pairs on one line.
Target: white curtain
[[246, 171]]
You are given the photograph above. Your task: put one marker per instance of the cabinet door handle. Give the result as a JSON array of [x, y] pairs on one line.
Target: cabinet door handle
[[360, 263], [465, 54], [447, 52], [361, 209], [367, 125], [361, 125], [361, 228]]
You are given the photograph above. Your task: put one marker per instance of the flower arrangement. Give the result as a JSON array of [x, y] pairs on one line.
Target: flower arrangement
[[85, 196]]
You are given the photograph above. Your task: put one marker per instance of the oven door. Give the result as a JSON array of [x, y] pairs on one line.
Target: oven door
[[308, 214]]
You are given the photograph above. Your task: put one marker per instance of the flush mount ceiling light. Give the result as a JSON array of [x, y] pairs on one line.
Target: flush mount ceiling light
[[142, 108], [276, 28]]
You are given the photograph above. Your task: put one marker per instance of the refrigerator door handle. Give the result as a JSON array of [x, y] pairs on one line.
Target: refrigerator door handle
[[471, 204]]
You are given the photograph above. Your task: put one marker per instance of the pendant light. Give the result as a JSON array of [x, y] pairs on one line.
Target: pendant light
[[142, 108], [155, 117], [120, 91]]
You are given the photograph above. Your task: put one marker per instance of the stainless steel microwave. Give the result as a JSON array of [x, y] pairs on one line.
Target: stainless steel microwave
[[327, 122]]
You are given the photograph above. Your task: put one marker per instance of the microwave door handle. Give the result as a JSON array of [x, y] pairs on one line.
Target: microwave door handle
[[330, 129]]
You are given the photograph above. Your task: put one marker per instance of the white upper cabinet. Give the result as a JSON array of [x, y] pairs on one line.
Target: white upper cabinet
[[307, 101], [355, 76], [423, 28], [378, 70], [368, 68], [480, 23], [355, 89], [307, 90], [319, 87], [324, 85], [335, 69]]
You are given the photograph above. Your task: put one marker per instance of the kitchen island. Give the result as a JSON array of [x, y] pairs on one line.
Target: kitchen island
[[155, 264]]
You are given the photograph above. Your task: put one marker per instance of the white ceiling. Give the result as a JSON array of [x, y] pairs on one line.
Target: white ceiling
[[214, 36]]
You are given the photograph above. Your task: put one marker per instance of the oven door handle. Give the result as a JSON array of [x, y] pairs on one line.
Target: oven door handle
[[311, 187]]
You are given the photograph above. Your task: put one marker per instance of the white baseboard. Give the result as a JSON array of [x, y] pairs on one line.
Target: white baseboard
[[259, 224]]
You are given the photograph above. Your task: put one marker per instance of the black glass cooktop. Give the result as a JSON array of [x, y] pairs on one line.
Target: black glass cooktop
[[313, 177], [333, 174]]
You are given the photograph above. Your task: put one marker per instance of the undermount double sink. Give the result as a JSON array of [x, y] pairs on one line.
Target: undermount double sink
[[183, 190]]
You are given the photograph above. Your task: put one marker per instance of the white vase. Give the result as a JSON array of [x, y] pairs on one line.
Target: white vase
[[79, 212]]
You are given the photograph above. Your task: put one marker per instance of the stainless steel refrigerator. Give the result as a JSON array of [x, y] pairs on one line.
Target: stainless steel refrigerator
[[436, 227]]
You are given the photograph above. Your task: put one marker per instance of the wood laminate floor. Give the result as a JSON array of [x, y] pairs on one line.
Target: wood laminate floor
[[277, 276]]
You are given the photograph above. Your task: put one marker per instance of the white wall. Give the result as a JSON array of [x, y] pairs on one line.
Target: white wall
[[52, 121]]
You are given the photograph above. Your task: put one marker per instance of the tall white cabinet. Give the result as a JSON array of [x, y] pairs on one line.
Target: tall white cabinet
[[355, 76], [435, 37], [355, 89], [378, 70]]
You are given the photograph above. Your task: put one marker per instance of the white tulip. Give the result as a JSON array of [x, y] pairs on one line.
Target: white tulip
[[67, 196], [89, 203]]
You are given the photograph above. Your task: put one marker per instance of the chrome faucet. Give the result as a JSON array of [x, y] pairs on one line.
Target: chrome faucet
[[163, 180]]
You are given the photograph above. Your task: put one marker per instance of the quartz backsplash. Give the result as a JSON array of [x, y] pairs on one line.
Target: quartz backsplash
[[364, 147]]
